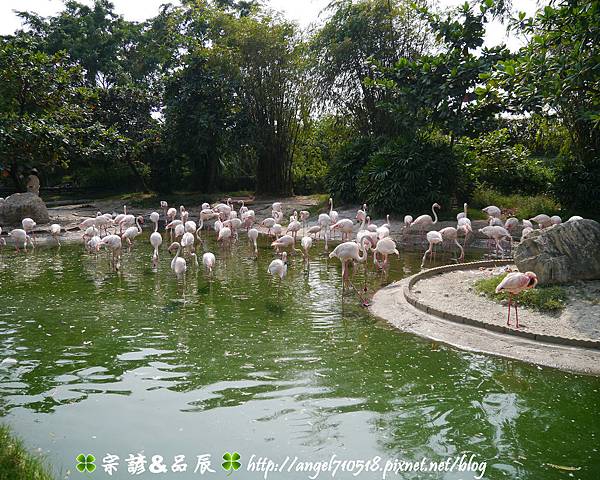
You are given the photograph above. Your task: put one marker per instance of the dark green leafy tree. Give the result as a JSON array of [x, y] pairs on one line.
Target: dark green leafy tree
[[558, 74], [45, 110]]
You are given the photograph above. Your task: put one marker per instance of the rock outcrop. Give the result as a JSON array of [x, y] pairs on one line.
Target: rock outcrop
[[562, 253], [21, 205]]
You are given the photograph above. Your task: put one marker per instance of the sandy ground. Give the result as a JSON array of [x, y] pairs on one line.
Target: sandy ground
[[390, 305], [454, 292]]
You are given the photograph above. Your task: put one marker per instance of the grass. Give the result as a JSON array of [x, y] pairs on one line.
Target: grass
[[16, 463], [543, 299], [520, 206]]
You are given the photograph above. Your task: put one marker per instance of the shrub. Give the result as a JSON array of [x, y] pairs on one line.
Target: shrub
[[520, 206], [491, 160], [544, 299], [309, 171], [578, 184], [346, 167], [409, 174]]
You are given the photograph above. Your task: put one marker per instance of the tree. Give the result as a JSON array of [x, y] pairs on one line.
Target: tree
[[45, 115], [357, 37], [557, 74]]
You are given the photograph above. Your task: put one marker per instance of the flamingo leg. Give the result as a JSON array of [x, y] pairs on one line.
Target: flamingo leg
[[517, 314], [509, 302]]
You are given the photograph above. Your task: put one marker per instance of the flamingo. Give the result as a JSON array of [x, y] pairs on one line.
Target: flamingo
[[178, 264], [324, 221], [55, 232], [223, 210], [575, 218], [234, 224], [464, 213], [164, 205], [464, 225], [386, 246], [156, 242], [285, 241], [304, 216], [20, 235], [434, 238], [294, 226], [117, 220], [206, 214], [253, 237], [526, 231], [384, 230], [28, 225], [333, 215], [278, 267], [94, 244], [187, 243], [154, 218], [314, 230], [277, 230], [104, 221], [209, 260], [451, 233], [348, 252], [542, 220], [345, 226], [495, 222], [133, 232], [371, 227], [248, 219], [555, 220], [492, 211], [527, 223], [224, 235], [114, 243], [268, 224], [361, 215], [497, 233], [425, 221], [514, 283], [511, 223], [306, 243]]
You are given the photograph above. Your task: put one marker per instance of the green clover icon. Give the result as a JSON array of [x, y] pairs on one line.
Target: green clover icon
[[231, 462], [85, 463]]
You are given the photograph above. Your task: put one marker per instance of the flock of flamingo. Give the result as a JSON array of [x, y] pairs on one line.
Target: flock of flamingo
[[112, 231]]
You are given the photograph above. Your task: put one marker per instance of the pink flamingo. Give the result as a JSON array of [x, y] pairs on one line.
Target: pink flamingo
[[425, 221], [514, 283], [434, 238]]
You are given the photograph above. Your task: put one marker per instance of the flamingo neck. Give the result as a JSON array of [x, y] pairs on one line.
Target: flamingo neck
[[434, 214]]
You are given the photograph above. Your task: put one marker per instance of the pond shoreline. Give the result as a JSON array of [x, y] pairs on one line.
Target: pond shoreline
[[391, 304]]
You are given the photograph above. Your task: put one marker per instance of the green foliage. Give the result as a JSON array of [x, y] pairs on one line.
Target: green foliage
[[520, 206], [409, 174], [346, 167], [545, 299], [491, 160], [17, 463], [558, 71]]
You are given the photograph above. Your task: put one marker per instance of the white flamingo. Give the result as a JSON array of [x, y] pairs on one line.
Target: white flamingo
[[133, 232], [253, 237], [55, 232], [451, 234], [19, 235], [178, 264], [434, 238], [425, 221], [114, 243], [209, 260], [349, 252]]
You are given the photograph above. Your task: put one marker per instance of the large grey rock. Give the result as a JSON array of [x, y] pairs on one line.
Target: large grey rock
[[563, 253], [20, 205]]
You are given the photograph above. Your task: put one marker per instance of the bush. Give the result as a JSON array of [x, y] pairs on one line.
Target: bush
[[409, 175], [578, 184], [492, 161], [346, 168], [520, 206], [544, 299], [308, 172]]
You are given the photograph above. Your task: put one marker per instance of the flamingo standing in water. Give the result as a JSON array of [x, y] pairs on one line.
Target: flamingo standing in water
[[425, 221], [306, 243], [434, 238], [133, 232], [304, 216], [514, 283], [278, 267], [253, 237], [268, 224], [333, 215], [349, 252], [462, 214], [451, 234], [55, 232], [28, 225], [209, 260], [19, 235], [155, 239], [114, 243], [286, 241], [178, 264], [386, 246]]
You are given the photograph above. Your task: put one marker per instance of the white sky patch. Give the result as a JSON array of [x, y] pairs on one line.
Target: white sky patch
[[305, 12]]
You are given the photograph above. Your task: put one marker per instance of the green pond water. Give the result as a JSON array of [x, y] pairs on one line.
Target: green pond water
[[138, 362]]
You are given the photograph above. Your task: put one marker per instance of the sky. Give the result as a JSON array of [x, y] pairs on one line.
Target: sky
[[305, 12]]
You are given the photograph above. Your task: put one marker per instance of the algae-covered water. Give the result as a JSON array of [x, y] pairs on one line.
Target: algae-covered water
[[141, 363]]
